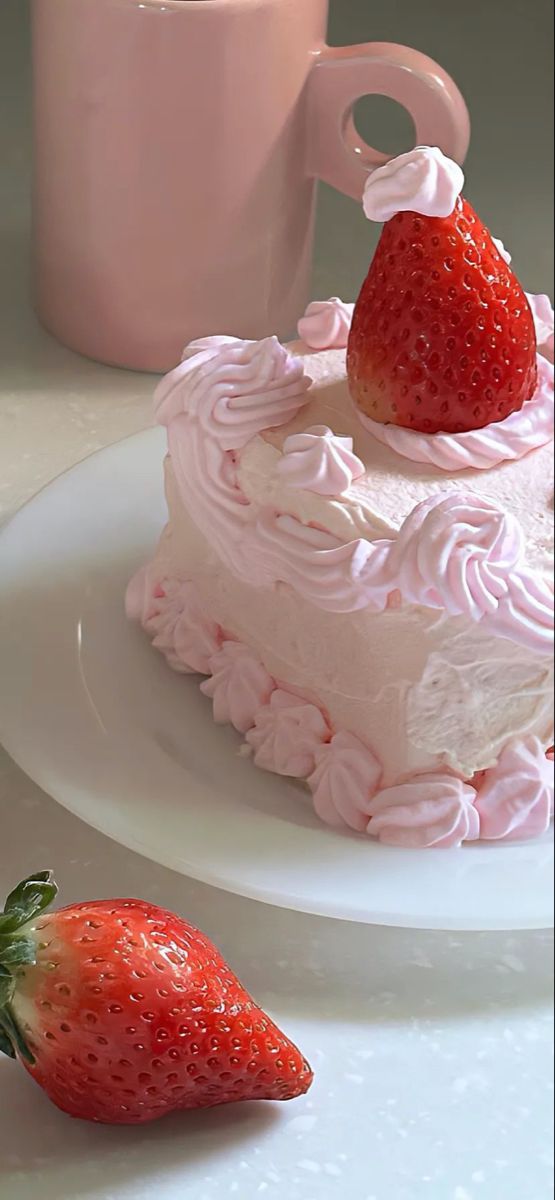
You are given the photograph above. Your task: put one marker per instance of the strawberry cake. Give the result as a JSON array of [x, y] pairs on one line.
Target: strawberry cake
[[359, 549]]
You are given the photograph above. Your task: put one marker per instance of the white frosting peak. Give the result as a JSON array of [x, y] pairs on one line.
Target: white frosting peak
[[326, 324], [422, 181], [319, 461], [542, 312], [502, 250], [515, 800], [238, 687], [287, 734]]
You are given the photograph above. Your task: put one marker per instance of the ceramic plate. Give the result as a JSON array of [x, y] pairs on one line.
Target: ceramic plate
[[95, 716]]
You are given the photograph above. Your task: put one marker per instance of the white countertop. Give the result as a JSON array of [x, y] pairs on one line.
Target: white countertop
[[432, 1051]]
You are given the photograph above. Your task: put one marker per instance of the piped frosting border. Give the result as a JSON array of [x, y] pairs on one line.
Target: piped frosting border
[[455, 552], [291, 736], [324, 327]]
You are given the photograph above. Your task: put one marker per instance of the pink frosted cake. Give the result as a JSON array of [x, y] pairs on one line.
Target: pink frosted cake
[[366, 585]]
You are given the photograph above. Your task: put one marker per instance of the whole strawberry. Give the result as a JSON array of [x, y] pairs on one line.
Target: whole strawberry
[[124, 1012], [443, 337]]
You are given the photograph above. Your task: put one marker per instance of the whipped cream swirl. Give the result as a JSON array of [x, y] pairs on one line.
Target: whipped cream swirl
[[424, 181], [319, 461], [345, 779], [429, 810], [502, 251], [326, 324], [238, 686], [458, 554], [542, 312], [171, 612], [287, 734], [515, 799], [233, 388], [454, 552], [222, 394]]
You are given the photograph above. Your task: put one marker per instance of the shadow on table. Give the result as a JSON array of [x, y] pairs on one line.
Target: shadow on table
[[36, 1140]]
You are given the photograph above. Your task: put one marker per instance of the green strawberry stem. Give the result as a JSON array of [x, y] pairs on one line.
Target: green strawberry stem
[[17, 950]]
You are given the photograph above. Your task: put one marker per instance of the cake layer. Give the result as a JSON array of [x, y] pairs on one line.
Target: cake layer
[[424, 689]]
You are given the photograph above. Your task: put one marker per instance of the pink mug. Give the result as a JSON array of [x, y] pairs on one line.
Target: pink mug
[[177, 148]]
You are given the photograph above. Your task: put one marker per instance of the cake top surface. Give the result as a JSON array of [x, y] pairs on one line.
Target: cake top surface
[[392, 485]]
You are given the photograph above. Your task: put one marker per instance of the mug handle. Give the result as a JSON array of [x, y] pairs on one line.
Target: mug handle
[[341, 75]]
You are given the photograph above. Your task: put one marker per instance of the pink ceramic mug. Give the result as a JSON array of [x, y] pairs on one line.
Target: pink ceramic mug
[[178, 144]]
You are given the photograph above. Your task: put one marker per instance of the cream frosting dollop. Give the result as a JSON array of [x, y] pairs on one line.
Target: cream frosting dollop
[[515, 798], [319, 461], [502, 250], [502, 441], [423, 180], [345, 778], [458, 553], [287, 734], [542, 312], [335, 575], [233, 388], [326, 324], [170, 610], [196, 638], [139, 596], [239, 686], [428, 810]]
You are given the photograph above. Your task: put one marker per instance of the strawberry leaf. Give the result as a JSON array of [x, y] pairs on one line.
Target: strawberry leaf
[[11, 1039], [7, 988], [9, 1030], [27, 900], [19, 952], [6, 1045]]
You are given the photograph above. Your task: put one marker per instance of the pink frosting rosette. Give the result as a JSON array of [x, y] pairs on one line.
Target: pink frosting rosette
[[239, 686], [287, 734], [429, 810], [345, 779], [515, 799], [319, 461], [172, 613], [234, 389], [326, 324], [457, 553]]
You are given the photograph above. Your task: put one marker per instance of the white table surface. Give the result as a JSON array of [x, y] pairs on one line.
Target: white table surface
[[432, 1052]]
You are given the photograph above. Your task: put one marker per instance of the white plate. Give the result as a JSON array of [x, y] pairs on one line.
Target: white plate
[[95, 716]]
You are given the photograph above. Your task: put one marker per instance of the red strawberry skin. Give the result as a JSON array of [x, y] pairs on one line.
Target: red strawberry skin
[[443, 338], [131, 1013]]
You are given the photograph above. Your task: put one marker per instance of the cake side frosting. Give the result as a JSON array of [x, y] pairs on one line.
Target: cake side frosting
[[290, 735], [404, 674], [512, 695]]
